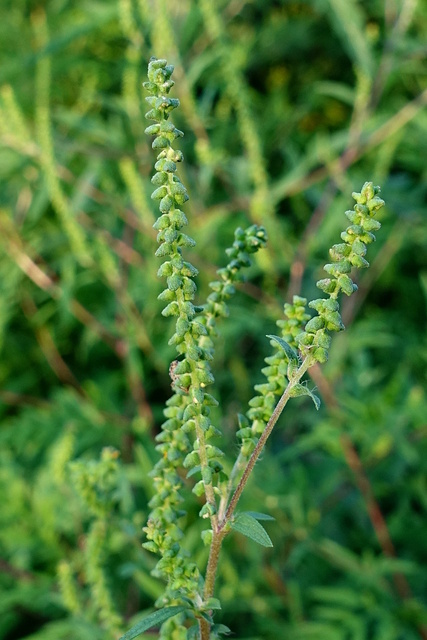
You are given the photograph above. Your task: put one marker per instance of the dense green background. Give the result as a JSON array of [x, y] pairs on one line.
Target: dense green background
[[287, 107]]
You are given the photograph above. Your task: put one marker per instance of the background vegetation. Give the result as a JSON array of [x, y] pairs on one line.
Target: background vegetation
[[287, 107]]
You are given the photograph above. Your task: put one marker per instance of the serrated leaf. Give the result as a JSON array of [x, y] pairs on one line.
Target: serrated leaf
[[251, 528], [302, 390], [291, 353], [260, 516], [154, 619]]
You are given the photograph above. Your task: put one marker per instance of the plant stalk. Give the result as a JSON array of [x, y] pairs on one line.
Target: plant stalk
[[221, 530], [263, 439]]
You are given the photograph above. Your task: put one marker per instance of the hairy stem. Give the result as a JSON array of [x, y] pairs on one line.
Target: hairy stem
[[215, 548], [204, 465], [263, 439], [204, 628], [221, 530]]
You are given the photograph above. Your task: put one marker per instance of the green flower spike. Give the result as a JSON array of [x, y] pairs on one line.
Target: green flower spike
[[301, 347], [162, 530], [185, 435], [314, 340]]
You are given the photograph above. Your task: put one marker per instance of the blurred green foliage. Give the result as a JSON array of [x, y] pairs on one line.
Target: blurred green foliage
[[287, 106]]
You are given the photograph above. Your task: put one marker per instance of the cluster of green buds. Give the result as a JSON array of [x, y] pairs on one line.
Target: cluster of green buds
[[315, 340], [185, 435]]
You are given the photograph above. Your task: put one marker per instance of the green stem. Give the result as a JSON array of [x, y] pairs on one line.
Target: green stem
[[221, 530], [204, 628], [204, 464], [263, 439], [218, 537]]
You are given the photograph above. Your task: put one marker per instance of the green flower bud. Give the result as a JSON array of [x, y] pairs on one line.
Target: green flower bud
[[172, 309], [174, 282], [166, 295], [166, 203], [161, 142], [191, 460], [337, 268], [159, 193], [162, 223], [153, 129], [346, 284], [165, 165], [358, 262], [165, 249], [185, 241], [314, 324], [208, 510], [207, 537], [199, 489], [338, 251], [327, 285], [165, 270]]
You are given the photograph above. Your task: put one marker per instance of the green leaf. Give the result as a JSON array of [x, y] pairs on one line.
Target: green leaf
[[251, 528], [302, 390], [260, 516], [221, 629], [291, 354], [154, 619], [212, 603]]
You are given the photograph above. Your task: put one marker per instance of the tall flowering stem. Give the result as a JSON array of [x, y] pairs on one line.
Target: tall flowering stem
[[163, 531], [298, 350], [185, 441]]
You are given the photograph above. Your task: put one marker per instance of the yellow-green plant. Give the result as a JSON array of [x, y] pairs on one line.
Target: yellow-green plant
[[188, 440]]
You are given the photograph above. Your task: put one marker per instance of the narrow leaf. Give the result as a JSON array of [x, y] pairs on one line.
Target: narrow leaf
[[291, 354], [251, 528], [302, 390], [154, 619], [260, 516]]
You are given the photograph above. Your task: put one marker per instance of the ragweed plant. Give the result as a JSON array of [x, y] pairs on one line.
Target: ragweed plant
[[189, 440]]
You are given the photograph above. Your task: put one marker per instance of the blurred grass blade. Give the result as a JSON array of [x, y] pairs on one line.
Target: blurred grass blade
[[349, 21]]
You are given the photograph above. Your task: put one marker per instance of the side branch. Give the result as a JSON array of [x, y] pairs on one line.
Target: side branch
[[263, 439]]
